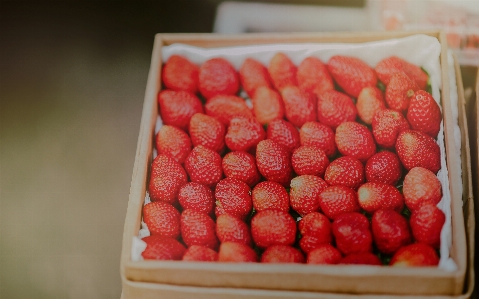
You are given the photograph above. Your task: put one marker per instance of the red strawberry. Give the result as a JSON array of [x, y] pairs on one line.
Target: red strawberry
[[370, 101], [337, 200], [267, 105], [387, 124], [197, 197], [241, 166], [236, 252], [283, 133], [352, 233], [420, 186], [204, 166], [424, 113], [177, 107], [200, 253], [234, 197], [179, 73], [361, 258], [226, 107], [244, 134], [207, 131], [232, 229], [273, 161], [270, 195], [309, 159], [383, 167], [300, 107], [253, 75], [335, 108], [426, 224], [387, 67], [217, 76], [390, 231], [314, 133], [351, 73], [415, 255], [415, 149], [399, 92], [324, 254], [282, 71], [304, 193], [162, 248], [354, 139], [313, 76], [282, 254], [273, 227], [174, 142], [373, 196], [166, 178], [345, 171], [162, 219], [198, 228], [315, 230]]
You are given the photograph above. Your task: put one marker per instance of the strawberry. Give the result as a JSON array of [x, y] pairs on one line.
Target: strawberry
[[226, 107], [324, 254], [162, 219], [207, 131], [166, 178], [304, 193], [373, 196], [399, 92], [236, 252], [334, 108], [198, 228], [415, 149], [387, 124], [391, 65], [197, 197], [282, 254], [267, 105], [300, 107], [253, 75], [313, 76], [283, 133], [204, 166], [383, 167], [273, 161], [322, 136], [273, 227], [270, 195], [420, 186], [370, 101], [162, 248], [234, 196], [177, 107], [315, 230], [352, 233], [355, 140], [426, 224], [351, 74], [200, 253], [390, 231], [217, 76], [241, 166], [179, 73], [232, 229], [345, 171], [244, 134], [424, 113], [282, 71], [337, 200], [309, 159], [174, 142], [415, 255], [361, 258]]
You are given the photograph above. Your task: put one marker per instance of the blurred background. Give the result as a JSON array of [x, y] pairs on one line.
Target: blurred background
[[72, 80]]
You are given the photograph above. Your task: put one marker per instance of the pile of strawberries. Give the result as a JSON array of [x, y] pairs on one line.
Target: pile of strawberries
[[334, 163]]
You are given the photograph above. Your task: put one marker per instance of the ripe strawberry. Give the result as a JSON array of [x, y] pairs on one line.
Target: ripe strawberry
[[390, 231], [162, 219], [282, 71], [283, 133], [387, 124], [399, 92], [217, 76], [415, 149], [234, 197], [352, 233], [315, 230], [420, 186], [351, 73], [414, 255], [198, 228], [337, 200], [273, 227], [204, 166], [300, 107], [322, 136], [207, 131], [361, 258], [197, 197], [244, 133], [200, 253], [304, 193], [383, 167], [345, 171], [273, 161], [387, 67], [226, 107], [309, 159], [373, 196], [179, 73], [282, 254], [267, 105], [334, 108], [424, 113], [324, 254], [270, 195], [177, 107], [232, 229], [370, 101], [174, 142], [162, 248], [354, 139], [426, 224], [236, 252], [166, 178], [241, 166], [313, 76], [253, 75]]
